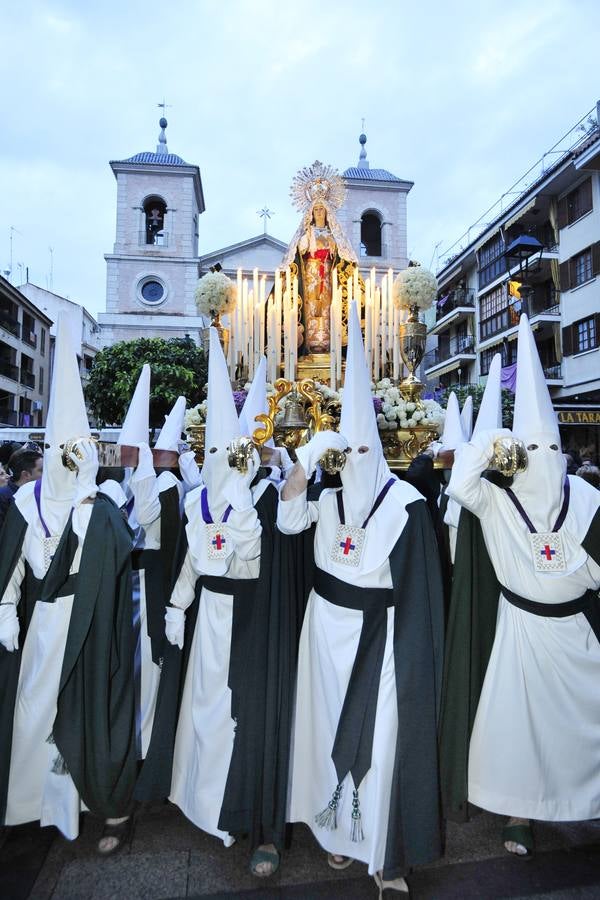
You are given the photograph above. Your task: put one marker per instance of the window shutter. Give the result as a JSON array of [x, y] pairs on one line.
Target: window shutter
[[563, 213], [597, 330], [565, 280], [567, 340], [596, 258], [585, 200]]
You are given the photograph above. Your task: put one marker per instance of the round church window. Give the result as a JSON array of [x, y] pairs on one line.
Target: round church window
[[152, 292]]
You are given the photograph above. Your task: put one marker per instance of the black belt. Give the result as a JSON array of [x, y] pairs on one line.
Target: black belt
[[588, 604], [353, 745], [222, 585], [140, 558], [65, 590]]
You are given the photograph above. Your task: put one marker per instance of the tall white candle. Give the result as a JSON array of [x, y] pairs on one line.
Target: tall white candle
[[294, 324], [377, 334], [396, 344]]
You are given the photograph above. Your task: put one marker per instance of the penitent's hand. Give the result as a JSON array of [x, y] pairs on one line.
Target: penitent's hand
[[9, 627], [309, 455]]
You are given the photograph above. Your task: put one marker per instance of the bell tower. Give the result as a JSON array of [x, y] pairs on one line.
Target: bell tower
[[153, 269], [374, 214]]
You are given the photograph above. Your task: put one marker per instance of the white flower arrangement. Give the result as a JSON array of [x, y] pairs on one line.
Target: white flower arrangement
[[415, 286], [399, 413], [195, 416], [215, 295]]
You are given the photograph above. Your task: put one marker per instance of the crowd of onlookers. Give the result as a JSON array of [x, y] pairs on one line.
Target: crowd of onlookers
[[584, 463], [19, 463]]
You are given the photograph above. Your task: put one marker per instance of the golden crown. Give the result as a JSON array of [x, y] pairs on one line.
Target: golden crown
[[317, 183]]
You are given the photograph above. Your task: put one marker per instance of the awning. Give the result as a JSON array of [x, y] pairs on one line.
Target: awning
[[520, 213]]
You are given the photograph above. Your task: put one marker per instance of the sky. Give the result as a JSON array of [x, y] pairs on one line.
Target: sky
[[460, 98]]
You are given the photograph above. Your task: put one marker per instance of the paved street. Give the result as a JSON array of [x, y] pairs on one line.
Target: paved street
[[168, 859]]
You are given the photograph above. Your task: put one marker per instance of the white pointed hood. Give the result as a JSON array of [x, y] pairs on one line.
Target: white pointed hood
[[364, 474], [137, 421], [170, 433], [540, 487], [67, 418], [222, 426], [466, 418], [489, 416], [453, 435], [256, 402]]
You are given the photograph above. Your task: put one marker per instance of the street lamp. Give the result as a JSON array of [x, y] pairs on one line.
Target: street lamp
[[526, 253]]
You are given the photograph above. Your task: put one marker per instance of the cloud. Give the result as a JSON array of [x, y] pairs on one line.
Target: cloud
[[459, 98]]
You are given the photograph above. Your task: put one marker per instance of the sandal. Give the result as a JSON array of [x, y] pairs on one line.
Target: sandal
[[334, 864], [387, 889], [519, 834], [264, 856], [122, 832]]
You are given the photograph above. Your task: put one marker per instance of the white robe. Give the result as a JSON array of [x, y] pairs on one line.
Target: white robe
[[535, 746], [205, 729], [34, 791], [328, 645]]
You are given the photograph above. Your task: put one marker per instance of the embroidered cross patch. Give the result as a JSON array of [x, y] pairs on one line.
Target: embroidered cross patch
[[547, 552], [348, 545], [216, 540]]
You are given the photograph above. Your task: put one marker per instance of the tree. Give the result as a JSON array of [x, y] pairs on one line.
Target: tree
[[475, 391], [178, 367]]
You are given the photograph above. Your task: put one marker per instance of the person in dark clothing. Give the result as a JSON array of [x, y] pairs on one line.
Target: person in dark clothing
[[23, 466]]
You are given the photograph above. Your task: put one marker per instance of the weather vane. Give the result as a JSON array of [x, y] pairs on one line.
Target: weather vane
[[265, 213], [164, 105]]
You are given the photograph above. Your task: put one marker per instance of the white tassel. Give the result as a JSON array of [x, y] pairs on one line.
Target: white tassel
[[356, 832], [327, 818]]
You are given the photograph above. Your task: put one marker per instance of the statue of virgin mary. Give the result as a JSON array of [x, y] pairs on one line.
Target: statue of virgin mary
[[318, 245]]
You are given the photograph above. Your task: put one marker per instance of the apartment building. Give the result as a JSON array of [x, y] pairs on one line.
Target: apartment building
[[538, 252], [24, 360]]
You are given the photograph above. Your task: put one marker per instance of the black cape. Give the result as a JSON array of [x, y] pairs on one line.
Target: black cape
[[94, 725], [469, 641], [267, 618]]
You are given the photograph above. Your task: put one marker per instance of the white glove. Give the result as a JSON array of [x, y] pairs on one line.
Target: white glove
[[175, 626], [190, 471], [87, 468], [145, 466], [434, 448], [237, 487], [309, 455], [484, 441], [9, 627]]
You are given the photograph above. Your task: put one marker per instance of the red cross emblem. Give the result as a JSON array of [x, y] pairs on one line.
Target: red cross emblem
[[347, 546], [548, 552], [218, 541]]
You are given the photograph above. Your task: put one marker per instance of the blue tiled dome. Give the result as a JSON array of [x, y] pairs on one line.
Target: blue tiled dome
[[159, 159], [370, 174]]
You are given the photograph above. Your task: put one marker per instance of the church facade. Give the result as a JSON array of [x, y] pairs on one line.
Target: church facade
[[154, 267]]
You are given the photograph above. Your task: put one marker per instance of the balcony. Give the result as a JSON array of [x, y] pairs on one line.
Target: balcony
[[8, 416], [27, 378], [9, 323], [9, 370], [452, 307], [545, 301], [450, 355], [553, 373], [28, 337]]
